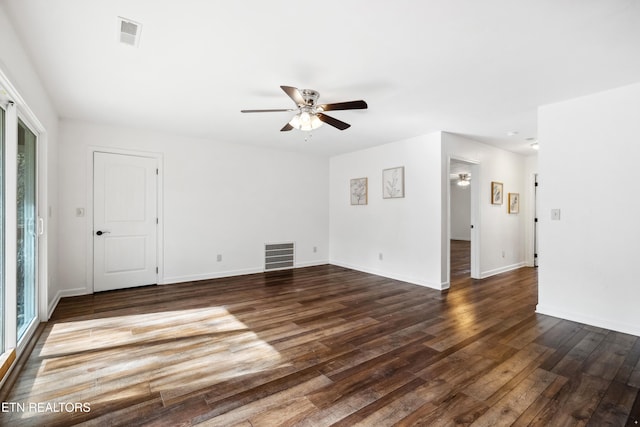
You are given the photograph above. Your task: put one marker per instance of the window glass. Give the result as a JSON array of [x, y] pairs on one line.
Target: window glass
[[27, 229]]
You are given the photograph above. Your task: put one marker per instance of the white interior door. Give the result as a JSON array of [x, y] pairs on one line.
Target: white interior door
[[124, 221]]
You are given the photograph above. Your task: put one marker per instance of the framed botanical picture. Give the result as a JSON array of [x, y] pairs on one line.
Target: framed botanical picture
[[393, 183], [496, 193], [359, 188], [514, 203]]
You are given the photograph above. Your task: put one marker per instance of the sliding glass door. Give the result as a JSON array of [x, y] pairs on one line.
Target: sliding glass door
[[21, 287], [26, 273]]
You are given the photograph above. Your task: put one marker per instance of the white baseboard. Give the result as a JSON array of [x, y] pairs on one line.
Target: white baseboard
[[312, 263], [231, 273], [412, 280], [62, 294], [53, 304], [489, 273], [625, 328], [209, 276]]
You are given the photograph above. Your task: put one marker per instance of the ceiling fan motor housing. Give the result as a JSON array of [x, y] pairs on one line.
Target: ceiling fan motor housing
[[310, 96]]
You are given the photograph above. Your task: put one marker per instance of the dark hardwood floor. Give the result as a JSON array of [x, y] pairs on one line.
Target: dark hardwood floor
[[325, 346], [460, 259]]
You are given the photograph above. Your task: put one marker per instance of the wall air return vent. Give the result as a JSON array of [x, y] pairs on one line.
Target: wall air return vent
[[129, 31], [279, 256]]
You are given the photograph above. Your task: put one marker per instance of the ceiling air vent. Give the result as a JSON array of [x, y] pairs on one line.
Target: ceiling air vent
[[129, 31]]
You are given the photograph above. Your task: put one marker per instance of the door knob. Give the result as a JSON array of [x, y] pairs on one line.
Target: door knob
[[100, 233]]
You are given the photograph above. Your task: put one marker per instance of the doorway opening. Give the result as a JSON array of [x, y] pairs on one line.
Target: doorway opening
[[463, 217]]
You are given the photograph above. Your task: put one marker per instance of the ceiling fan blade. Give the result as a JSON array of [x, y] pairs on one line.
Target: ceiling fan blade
[[286, 128], [294, 94], [333, 122], [268, 111], [350, 105]]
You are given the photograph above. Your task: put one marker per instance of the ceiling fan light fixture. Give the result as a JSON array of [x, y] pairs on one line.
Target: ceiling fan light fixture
[[305, 121], [464, 180]]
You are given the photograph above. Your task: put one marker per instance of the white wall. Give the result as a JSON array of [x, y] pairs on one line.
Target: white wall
[[460, 212], [17, 67], [218, 199], [406, 231], [501, 236], [588, 165]]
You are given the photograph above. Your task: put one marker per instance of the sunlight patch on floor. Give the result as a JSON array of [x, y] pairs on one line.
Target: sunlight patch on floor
[[170, 352]]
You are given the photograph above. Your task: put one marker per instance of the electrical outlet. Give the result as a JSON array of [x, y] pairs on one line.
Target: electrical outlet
[[79, 212], [315, 249], [503, 254], [555, 214], [380, 256], [219, 257]]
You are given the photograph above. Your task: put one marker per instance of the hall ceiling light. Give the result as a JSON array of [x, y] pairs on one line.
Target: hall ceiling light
[[464, 179]]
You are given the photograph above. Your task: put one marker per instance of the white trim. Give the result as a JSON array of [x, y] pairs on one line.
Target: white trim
[[28, 333], [64, 294], [89, 208], [312, 263], [208, 276], [625, 328], [10, 231], [501, 270], [411, 280], [232, 273], [53, 304]]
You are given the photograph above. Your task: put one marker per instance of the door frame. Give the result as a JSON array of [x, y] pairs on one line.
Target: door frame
[[88, 213], [475, 216]]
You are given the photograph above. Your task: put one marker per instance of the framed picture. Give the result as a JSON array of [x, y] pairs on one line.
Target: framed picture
[[393, 183], [496, 193], [359, 188], [514, 203]]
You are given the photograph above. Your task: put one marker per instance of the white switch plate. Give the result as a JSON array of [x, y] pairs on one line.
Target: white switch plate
[[555, 214]]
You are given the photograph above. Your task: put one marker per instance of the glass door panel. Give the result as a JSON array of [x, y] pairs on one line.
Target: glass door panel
[[27, 234]]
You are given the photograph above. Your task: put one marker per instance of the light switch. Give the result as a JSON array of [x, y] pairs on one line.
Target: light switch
[[555, 214]]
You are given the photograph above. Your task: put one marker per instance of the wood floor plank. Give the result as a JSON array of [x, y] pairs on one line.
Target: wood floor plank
[[615, 406], [490, 383], [575, 403], [324, 346], [507, 410]]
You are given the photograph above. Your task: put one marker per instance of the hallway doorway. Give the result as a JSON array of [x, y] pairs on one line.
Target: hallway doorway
[[463, 205]]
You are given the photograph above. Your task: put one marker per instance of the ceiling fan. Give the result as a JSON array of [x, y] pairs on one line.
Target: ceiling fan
[[309, 114]]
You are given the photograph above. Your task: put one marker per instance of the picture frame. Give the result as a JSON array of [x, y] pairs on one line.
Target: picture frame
[[393, 183], [497, 194], [514, 203], [359, 191]]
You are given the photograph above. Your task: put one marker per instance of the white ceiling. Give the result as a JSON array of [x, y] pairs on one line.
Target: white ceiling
[[478, 68]]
